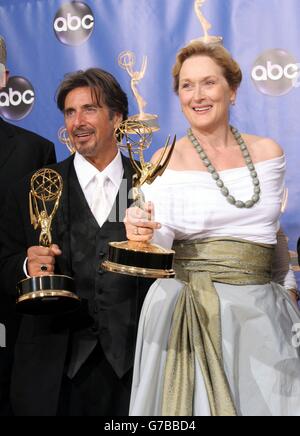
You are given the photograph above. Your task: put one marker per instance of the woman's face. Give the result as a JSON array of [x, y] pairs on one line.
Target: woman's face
[[204, 93]]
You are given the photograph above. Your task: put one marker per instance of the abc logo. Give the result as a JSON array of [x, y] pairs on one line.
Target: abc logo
[[276, 72], [17, 99], [74, 23]]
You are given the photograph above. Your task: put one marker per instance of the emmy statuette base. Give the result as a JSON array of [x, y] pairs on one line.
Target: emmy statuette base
[[47, 295], [140, 260], [138, 272]]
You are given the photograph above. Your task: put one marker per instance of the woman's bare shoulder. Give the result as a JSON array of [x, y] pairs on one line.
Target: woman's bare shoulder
[[262, 148], [175, 155]]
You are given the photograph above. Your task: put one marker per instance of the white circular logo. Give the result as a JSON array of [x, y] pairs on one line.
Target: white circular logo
[[276, 72], [74, 23], [17, 98]]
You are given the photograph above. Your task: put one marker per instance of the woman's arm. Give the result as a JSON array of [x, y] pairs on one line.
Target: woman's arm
[[281, 269]]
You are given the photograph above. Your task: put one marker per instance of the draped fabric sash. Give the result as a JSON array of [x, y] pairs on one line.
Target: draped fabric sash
[[196, 325]]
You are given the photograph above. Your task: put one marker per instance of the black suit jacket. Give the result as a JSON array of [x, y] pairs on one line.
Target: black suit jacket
[[21, 153], [43, 341]]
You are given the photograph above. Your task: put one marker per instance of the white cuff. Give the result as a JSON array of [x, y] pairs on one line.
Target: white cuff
[[25, 268], [290, 281]]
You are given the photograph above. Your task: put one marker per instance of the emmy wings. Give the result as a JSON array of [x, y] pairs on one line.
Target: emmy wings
[[138, 138]]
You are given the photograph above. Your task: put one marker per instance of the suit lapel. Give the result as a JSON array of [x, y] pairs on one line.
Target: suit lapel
[[7, 141]]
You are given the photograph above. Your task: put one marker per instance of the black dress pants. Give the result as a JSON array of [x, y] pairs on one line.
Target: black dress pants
[[6, 361], [96, 390], [10, 319]]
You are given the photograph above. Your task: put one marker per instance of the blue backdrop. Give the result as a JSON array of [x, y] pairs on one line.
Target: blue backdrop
[[47, 38]]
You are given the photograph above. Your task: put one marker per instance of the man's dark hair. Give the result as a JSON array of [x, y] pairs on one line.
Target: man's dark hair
[[104, 87]]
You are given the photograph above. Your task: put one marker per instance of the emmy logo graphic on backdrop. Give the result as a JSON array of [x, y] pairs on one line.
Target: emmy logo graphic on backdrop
[[206, 26], [64, 138], [46, 294], [127, 61], [141, 259]]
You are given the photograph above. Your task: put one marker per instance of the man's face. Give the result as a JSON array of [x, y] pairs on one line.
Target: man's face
[[90, 127]]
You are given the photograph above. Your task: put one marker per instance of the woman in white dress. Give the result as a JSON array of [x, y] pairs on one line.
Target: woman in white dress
[[217, 340]]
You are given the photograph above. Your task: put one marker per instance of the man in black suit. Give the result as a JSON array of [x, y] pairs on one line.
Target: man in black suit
[[81, 363], [21, 152]]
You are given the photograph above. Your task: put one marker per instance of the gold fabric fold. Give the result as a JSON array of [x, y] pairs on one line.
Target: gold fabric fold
[[196, 324]]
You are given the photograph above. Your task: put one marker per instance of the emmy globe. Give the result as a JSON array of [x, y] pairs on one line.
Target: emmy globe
[[50, 294]]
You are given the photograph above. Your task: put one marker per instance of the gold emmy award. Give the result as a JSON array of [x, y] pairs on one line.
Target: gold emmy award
[[53, 293], [140, 258], [127, 62], [206, 26], [65, 139]]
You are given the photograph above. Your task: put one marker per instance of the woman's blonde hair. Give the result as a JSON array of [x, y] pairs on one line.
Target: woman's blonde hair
[[217, 53]]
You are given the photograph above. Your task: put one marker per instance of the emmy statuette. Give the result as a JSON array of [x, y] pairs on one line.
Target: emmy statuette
[[127, 61], [141, 259], [206, 25], [51, 294]]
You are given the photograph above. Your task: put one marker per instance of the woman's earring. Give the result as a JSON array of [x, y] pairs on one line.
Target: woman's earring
[[233, 102]]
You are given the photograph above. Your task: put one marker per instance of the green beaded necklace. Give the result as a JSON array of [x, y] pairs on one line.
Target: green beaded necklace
[[215, 175]]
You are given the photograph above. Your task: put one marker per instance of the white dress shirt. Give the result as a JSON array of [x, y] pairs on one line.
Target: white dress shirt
[[111, 176]]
